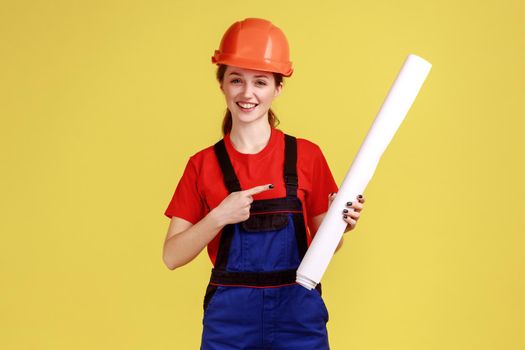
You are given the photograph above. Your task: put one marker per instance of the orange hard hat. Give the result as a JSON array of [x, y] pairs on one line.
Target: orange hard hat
[[255, 43]]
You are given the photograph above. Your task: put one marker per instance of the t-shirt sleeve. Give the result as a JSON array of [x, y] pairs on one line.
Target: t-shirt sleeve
[[322, 185], [186, 202]]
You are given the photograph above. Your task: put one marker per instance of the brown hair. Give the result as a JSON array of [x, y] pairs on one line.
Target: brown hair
[[227, 121]]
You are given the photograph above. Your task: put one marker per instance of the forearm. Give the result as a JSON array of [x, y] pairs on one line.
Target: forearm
[[186, 245]]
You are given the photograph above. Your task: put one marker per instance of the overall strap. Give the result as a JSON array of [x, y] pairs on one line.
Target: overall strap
[[230, 179], [290, 165]]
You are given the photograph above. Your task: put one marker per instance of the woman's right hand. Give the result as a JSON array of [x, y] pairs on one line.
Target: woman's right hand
[[236, 206]]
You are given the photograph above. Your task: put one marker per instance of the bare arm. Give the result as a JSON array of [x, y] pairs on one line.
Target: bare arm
[[185, 241]]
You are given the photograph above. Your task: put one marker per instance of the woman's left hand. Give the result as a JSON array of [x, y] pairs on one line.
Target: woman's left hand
[[352, 211]]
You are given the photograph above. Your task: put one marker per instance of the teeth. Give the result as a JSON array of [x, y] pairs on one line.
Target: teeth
[[246, 105]]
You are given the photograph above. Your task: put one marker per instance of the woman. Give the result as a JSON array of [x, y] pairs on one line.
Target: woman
[[255, 199]]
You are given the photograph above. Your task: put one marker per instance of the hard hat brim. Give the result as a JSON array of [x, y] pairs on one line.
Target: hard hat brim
[[266, 65]]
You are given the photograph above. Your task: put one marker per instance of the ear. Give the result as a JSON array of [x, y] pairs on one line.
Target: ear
[[221, 87], [278, 90]]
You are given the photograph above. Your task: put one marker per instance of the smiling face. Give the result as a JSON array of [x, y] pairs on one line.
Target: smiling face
[[249, 93]]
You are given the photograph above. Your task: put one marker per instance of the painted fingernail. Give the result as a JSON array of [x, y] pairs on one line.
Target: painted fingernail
[[345, 217], [360, 196], [345, 211], [271, 186], [349, 204]]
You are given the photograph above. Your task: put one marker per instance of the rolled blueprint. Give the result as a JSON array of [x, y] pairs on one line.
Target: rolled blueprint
[[392, 113]]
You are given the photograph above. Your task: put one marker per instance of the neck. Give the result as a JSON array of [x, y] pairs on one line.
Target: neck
[[251, 138]]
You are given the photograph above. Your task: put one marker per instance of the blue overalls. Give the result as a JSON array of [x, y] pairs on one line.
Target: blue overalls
[[252, 301]]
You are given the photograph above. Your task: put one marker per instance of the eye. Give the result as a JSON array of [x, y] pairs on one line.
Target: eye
[[261, 82], [234, 81]]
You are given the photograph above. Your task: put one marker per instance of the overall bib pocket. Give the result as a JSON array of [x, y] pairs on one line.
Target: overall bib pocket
[[268, 242]]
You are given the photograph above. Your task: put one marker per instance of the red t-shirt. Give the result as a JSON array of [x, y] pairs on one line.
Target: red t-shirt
[[201, 187]]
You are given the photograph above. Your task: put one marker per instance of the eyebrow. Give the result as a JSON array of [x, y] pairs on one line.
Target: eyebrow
[[257, 76]]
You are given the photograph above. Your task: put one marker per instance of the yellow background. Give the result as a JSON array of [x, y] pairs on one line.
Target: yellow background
[[102, 103]]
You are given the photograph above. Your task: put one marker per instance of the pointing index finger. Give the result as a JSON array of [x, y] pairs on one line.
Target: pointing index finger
[[258, 189]]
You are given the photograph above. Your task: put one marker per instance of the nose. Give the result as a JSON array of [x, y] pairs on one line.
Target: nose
[[247, 91]]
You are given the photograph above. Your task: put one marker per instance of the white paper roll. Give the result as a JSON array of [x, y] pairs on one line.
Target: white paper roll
[[392, 113]]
